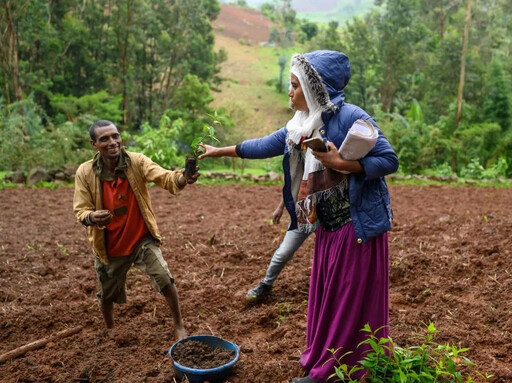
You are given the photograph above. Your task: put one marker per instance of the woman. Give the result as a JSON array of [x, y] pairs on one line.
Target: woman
[[346, 201]]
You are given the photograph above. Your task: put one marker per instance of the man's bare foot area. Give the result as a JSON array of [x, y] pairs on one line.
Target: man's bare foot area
[[180, 333]]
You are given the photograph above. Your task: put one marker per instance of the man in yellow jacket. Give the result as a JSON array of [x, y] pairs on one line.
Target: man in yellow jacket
[[112, 200]]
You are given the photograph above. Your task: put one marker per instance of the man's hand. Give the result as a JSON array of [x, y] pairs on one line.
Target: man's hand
[[182, 180], [101, 217]]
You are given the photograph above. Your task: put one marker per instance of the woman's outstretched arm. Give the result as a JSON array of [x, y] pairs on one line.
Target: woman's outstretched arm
[[212, 151]]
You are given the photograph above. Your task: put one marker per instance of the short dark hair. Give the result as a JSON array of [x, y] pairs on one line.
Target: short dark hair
[[98, 124]]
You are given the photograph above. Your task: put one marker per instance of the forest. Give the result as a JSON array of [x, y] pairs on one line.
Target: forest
[[436, 76]]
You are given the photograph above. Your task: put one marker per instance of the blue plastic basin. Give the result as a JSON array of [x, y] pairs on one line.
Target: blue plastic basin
[[212, 375]]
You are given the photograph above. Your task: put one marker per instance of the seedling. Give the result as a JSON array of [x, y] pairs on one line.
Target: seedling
[[208, 136], [386, 362]]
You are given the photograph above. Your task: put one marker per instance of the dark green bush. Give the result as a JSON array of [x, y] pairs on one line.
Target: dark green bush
[[428, 362]]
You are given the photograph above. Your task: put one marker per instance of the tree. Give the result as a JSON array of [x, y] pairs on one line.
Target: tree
[[497, 105], [310, 29], [327, 38], [400, 29], [462, 77], [9, 63], [284, 16], [358, 43]]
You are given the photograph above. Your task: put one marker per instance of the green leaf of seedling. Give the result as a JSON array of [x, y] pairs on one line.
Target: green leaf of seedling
[[196, 142]]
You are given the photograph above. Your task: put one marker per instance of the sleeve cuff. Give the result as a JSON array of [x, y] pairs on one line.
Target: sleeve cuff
[[87, 221], [238, 150]]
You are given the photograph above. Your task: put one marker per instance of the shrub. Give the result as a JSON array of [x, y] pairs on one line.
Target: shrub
[[428, 362], [28, 139], [159, 144]]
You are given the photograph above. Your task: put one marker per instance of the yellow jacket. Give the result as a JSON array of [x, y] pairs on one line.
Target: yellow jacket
[[140, 171]]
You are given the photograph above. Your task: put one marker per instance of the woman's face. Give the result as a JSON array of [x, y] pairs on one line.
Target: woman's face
[[297, 98]]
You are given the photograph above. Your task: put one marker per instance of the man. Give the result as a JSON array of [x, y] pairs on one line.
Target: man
[[112, 200]]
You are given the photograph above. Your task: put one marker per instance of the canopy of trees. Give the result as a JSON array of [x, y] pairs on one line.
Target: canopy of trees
[[139, 50], [66, 63], [437, 75]]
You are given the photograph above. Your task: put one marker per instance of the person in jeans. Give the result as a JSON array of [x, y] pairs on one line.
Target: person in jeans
[[292, 241]]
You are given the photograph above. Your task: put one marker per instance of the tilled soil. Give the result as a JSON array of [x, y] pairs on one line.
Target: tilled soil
[[451, 264]]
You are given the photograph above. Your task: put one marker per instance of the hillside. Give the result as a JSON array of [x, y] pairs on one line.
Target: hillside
[[242, 23], [257, 107]]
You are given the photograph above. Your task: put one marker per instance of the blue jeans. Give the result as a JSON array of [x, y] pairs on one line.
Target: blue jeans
[[292, 240]]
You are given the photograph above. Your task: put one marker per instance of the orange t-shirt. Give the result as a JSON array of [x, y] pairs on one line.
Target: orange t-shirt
[[127, 227]]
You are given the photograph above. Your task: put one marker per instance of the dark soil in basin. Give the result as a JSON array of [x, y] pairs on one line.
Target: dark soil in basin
[[199, 355]]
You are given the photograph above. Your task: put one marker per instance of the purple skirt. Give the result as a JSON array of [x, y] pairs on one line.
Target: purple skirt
[[348, 289]]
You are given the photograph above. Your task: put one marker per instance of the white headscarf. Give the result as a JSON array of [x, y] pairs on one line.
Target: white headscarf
[[304, 123]]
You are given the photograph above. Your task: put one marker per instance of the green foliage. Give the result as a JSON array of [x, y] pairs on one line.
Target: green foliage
[[25, 142], [442, 170], [100, 104], [417, 144], [274, 35], [309, 30], [240, 3], [191, 107], [386, 362], [198, 120], [475, 171], [161, 144], [207, 137], [327, 38], [5, 184], [358, 43], [139, 49], [284, 17], [497, 103], [476, 141], [138, 61], [47, 185], [166, 145], [421, 146]]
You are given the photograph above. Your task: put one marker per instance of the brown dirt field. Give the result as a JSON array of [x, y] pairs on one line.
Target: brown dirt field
[[242, 23], [451, 263]]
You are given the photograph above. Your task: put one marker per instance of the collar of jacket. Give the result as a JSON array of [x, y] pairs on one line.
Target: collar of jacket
[[122, 164]]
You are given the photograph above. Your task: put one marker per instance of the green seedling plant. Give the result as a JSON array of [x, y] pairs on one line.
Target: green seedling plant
[[386, 362], [283, 310], [207, 136]]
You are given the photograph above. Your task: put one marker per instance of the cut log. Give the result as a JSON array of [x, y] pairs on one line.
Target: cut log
[[39, 343]]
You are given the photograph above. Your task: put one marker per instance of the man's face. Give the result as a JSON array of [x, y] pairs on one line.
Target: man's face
[[297, 98], [108, 141]]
